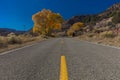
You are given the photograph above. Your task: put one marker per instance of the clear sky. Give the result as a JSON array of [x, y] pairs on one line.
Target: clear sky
[[16, 13]]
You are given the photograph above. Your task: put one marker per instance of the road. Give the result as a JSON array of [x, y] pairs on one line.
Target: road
[[85, 61]]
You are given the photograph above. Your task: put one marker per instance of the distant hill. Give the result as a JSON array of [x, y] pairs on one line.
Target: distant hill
[[6, 31], [91, 20]]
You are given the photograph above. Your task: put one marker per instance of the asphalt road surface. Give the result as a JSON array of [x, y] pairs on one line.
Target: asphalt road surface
[[85, 61]]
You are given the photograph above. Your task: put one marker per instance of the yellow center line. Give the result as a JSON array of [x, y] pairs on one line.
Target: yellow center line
[[63, 71]]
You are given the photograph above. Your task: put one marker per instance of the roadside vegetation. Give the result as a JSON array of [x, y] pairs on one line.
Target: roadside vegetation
[[116, 17], [74, 28], [101, 28], [106, 31], [12, 41], [107, 35]]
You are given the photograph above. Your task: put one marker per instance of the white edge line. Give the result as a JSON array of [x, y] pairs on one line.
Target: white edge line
[[95, 43], [6, 52]]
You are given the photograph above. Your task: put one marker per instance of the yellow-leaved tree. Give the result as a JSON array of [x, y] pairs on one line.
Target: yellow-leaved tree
[[75, 27], [46, 21]]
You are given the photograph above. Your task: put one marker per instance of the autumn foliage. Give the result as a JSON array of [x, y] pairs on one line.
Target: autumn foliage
[[75, 27], [46, 21]]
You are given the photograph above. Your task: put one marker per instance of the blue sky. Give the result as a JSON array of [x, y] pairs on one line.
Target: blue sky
[[16, 13]]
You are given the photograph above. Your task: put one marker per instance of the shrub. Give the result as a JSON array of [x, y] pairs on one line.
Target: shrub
[[70, 32], [90, 35], [77, 26], [26, 37], [74, 28], [108, 34], [3, 41], [13, 39], [116, 18]]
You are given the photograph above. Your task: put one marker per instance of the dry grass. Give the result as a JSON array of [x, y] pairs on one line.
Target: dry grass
[[108, 34], [13, 41], [108, 38], [3, 42]]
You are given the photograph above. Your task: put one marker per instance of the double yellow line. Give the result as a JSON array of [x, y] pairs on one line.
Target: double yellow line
[[63, 70]]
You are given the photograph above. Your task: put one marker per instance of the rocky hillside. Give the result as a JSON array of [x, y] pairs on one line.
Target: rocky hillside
[[93, 20], [111, 11], [87, 19]]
